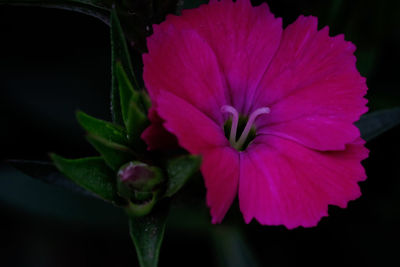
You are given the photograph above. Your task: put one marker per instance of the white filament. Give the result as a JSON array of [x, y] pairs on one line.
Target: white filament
[[235, 121]]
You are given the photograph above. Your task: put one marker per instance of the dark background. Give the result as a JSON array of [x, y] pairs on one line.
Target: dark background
[[54, 62]]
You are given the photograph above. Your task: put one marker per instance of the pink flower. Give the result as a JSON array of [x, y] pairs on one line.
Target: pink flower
[[288, 99]]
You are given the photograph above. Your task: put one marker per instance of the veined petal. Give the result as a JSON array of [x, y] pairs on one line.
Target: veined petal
[[243, 38], [200, 135], [313, 89], [195, 131], [220, 169], [181, 62], [155, 136], [282, 182]]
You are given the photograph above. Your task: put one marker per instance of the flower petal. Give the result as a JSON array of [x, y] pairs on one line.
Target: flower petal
[[244, 39], [155, 136], [200, 135], [313, 89], [220, 169], [282, 182], [195, 131], [182, 63]]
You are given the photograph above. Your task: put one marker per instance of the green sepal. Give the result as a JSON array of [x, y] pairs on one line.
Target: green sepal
[[132, 107], [147, 233], [115, 155], [126, 91], [104, 129], [137, 122], [179, 171], [145, 100], [119, 53], [145, 183], [92, 174], [142, 196], [142, 208], [138, 181]]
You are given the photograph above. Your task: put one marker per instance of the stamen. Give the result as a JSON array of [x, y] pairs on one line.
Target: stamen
[[249, 124], [235, 122]]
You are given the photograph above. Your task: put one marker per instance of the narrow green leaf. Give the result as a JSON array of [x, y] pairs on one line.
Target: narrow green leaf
[[126, 90], [179, 171], [96, 8], [136, 123], [147, 233], [374, 124], [90, 173], [119, 53], [142, 209], [145, 99], [115, 155], [103, 129], [46, 172], [132, 107]]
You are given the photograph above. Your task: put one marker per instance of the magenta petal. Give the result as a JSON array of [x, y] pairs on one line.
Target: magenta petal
[[220, 169], [244, 39], [182, 63], [315, 132], [282, 182], [313, 89], [307, 151], [195, 131], [155, 136], [200, 135]]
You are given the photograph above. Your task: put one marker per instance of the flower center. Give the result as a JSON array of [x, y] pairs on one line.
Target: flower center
[[242, 125]]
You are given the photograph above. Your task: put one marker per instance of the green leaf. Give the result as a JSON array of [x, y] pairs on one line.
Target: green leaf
[[136, 123], [119, 53], [132, 108], [145, 99], [147, 233], [103, 129], [46, 172], [90, 173], [126, 91], [374, 124], [115, 155], [97, 8], [179, 171]]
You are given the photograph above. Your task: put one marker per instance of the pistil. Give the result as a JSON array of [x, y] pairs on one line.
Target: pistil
[[235, 121]]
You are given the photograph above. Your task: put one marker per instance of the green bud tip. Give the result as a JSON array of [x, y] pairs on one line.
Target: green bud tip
[[139, 176]]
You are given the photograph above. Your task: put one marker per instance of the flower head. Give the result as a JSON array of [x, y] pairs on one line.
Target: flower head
[[270, 110]]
